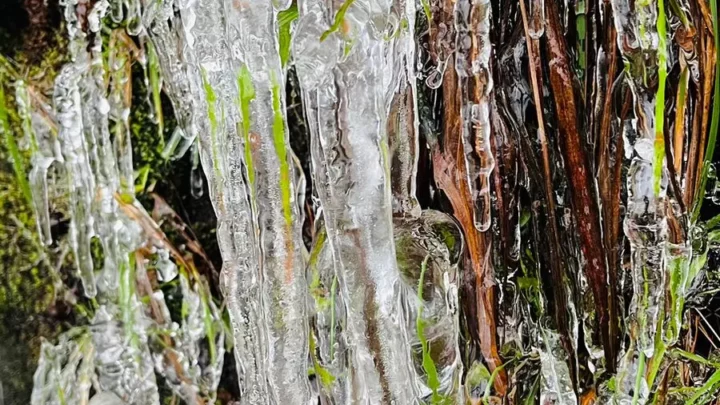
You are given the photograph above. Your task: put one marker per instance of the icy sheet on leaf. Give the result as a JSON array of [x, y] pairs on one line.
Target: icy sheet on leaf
[[221, 63], [87, 134], [357, 90], [556, 386], [65, 371], [641, 33], [472, 63], [349, 143]]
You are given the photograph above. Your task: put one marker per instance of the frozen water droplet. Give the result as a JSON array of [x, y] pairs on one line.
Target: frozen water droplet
[[103, 106], [281, 4], [167, 270], [434, 79]]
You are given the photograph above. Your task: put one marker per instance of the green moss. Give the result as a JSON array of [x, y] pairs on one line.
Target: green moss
[[18, 160], [449, 234], [27, 283], [26, 289], [147, 140]]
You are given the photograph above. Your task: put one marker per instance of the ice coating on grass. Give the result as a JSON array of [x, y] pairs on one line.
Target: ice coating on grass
[[346, 100], [43, 145], [645, 223], [402, 123], [223, 56], [428, 251], [329, 347], [473, 52], [556, 386], [86, 132], [75, 155], [64, 372]]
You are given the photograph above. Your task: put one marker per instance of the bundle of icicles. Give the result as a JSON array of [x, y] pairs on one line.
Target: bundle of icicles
[[539, 153]]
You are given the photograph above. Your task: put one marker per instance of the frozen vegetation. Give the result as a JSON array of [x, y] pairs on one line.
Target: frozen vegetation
[[504, 201]]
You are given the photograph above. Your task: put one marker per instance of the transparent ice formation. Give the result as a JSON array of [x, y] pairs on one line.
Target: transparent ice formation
[[371, 314], [86, 134]]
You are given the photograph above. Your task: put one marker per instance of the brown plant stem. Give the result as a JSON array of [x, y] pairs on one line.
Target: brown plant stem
[[450, 175], [449, 167], [556, 267], [582, 187], [609, 184]]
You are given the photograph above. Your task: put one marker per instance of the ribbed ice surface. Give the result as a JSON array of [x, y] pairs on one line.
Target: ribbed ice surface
[[402, 123], [645, 223], [472, 63], [343, 81], [229, 84], [329, 345], [556, 386], [65, 371]]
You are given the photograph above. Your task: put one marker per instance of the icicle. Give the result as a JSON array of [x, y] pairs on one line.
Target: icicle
[[77, 164], [200, 363], [403, 111], [346, 107], [678, 258], [329, 349], [92, 99], [472, 24], [168, 44], [238, 103], [426, 242], [647, 232], [536, 23], [253, 35], [133, 18], [42, 150], [630, 382], [120, 102], [154, 83]]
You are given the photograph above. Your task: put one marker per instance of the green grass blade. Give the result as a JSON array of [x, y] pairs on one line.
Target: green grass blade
[[18, 162]]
